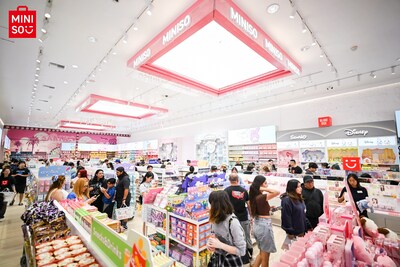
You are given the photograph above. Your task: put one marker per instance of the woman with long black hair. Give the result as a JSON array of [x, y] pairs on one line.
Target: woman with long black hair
[[260, 211], [228, 242], [358, 192], [95, 184], [143, 189], [293, 216]]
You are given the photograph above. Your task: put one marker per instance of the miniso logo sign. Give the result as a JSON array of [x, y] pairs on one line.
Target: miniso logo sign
[[22, 23]]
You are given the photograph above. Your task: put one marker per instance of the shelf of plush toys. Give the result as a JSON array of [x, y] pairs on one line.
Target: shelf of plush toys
[[338, 241]]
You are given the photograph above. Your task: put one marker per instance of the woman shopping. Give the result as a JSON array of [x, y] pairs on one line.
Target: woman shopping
[[20, 175], [260, 210], [293, 214], [56, 191], [95, 185], [143, 189], [81, 191], [227, 241], [6, 185]]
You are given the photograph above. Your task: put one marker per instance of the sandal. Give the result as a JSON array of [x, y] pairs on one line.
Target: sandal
[[12, 202], [20, 204]]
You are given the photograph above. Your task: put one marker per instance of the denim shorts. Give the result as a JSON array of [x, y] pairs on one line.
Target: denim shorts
[[264, 235]]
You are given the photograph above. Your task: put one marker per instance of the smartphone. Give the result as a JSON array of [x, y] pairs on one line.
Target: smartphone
[[276, 208]]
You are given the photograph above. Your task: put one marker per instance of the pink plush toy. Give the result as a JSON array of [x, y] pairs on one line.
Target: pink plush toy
[[369, 227], [385, 261], [360, 251]]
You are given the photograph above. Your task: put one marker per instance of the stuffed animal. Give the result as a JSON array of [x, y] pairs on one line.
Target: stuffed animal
[[369, 227], [385, 261], [365, 204], [361, 252], [389, 234]]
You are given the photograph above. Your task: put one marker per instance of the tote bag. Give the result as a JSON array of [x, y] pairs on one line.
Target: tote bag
[[124, 212]]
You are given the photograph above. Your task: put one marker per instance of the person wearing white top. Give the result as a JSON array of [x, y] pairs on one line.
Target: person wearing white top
[[56, 191], [144, 187]]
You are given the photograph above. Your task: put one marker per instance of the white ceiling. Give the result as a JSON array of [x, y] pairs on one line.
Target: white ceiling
[[337, 25]]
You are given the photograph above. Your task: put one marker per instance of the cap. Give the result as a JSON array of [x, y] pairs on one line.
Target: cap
[[120, 169], [307, 179], [118, 161], [214, 168]]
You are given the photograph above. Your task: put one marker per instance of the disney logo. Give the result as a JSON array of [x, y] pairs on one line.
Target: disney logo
[[351, 132], [297, 137]]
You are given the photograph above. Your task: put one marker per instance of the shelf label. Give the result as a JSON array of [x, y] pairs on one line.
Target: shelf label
[[284, 145], [316, 143], [341, 143]]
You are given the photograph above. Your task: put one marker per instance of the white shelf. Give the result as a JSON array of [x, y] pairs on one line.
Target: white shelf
[[77, 229], [193, 248], [158, 229]]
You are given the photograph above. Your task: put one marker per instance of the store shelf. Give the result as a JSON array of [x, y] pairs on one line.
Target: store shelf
[[77, 229], [157, 229], [189, 220], [193, 248]]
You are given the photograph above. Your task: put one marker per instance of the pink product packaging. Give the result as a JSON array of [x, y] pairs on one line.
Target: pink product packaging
[[336, 246], [289, 259], [339, 230], [298, 251], [279, 264], [187, 260]]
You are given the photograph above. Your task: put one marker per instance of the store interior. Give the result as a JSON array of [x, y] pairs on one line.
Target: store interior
[[175, 84]]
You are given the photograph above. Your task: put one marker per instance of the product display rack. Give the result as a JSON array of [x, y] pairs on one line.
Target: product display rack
[[78, 229], [252, 153], [196, 248], [28, 253]]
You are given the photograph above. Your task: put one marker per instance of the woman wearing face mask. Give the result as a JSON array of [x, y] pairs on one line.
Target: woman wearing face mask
[[358, 192]]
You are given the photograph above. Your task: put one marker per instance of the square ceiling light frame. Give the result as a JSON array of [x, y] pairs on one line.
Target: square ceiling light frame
[[84, 126], [119, 108], [151, 58]]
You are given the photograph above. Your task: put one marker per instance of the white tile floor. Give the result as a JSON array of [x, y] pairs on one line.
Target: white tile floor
[[279, 235]]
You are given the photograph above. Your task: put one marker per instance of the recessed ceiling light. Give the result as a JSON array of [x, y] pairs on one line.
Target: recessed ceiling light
[[38, 60], [114, 53], [305, 48], [43, 30], [329, 64], [47, 15], [65, 82], [135, 28], [92, 39], [354, 48], [273, 8], [36, 80], [36, 75], [74, 66], [321, 55]]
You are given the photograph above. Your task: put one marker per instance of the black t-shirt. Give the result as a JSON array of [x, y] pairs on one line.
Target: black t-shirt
[[18, 172], [296, 170], [96, 184], [122, 184], [6, 183], [358, 193], [238, 197]]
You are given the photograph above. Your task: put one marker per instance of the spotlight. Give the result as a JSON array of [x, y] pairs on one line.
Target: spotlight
[[373, 75], [393, 71], [47, 15], [125, 39], [303, 28], [149, 10], [293, 13]]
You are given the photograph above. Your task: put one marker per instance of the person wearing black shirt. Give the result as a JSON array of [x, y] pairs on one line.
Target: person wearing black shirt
[[20, 176], [6, 184], [314, 200], [293, 168], [239, 199], [94, 188], [357, 191], [122, 194]]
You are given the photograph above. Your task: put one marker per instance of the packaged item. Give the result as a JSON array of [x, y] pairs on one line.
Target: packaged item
[[65, 262], [87, 261]]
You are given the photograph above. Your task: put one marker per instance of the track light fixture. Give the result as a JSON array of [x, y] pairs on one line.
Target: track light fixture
[[393, 69], [293, 13], [373, 75], [303, 28], [149, 10]]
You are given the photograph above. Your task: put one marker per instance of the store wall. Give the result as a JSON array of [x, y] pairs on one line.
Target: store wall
[[364, 106]]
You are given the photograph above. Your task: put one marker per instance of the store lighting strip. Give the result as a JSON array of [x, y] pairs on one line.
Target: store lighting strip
[[84, 126]]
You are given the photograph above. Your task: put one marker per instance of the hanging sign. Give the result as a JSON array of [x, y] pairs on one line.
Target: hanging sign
[[351, 164], [324, 121], [22, 23]]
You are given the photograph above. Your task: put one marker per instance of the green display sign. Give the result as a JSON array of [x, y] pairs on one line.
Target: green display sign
[[112, 245]]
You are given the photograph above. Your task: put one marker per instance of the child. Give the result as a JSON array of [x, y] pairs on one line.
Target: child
[[108, 198]]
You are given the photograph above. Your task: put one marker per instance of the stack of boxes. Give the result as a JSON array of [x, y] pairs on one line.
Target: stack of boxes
[[187, 232]]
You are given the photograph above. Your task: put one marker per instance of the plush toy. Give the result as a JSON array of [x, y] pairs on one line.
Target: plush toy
[[385, 261], [365, 204], [389, 234], [369, 227], [361, 252]]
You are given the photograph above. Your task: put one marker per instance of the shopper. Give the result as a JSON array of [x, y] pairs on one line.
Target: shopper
[[72, 170], [110, 166], [6, 185], [143, 189], [250, 169], [95, 184], [357, 191], [223, 168], [235, 170], [122, 194], [314, 200], [264, 170], [293, 168], [239, 164], [150, 169], [80, 191], [293, 216], [14, 165], [56, 191], [272, 166], [20, 175], [239, 199], [260, 211], [109, 197], [312, 168], [227, 241]]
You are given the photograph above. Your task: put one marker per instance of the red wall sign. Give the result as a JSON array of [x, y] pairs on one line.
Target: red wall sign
[[324, 121], [351, 164], [22, 23]]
